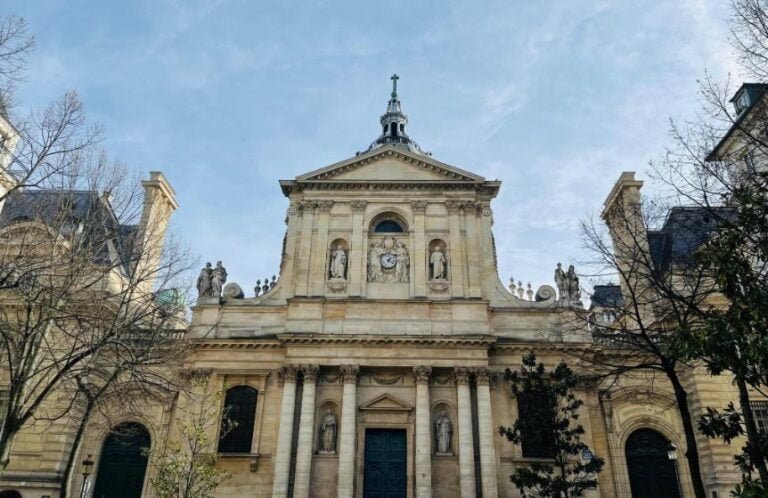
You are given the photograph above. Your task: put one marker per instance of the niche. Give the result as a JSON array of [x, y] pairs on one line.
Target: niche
[[443, 429], [338, 260], [438, 260], [327, 428]]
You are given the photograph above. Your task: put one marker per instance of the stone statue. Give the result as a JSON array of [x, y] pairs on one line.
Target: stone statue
[[443, 431], [328, 433], [218, 278], [574, 291], [339, 263], [204, 282], [437, 261], [403, 263], [561, 282], [388, 261]]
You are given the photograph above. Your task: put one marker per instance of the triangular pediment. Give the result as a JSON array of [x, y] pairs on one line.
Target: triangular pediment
[[390, 164], [385, 402]]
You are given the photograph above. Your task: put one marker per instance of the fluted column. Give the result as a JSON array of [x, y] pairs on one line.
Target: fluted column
[[423, 439], [485, 434], [306, 433], [282, 458], [466, 446], [346, 485]]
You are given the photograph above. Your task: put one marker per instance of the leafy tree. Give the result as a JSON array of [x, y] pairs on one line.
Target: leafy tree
[[187, 468], [551, 411]]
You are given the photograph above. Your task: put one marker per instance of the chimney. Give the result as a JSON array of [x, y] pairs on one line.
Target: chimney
[[159, 205], [623, 214]]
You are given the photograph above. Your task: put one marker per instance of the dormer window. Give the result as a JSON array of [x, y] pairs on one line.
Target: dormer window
[[741, 102]]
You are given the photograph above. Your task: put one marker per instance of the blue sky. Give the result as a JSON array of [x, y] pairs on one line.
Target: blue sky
[[226, 97]]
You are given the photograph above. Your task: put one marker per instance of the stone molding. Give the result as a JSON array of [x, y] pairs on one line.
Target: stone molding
[[310, 373], [349, 373], [422, 374], [389, 340], [288, 373]]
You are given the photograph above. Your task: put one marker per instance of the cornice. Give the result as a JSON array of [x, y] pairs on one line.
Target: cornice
[[246, 343], [293, 186], [375, 340]]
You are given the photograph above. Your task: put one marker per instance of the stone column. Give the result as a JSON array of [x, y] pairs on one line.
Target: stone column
[[466, 446], [301, 274], [345, 488], [357, 269], [306, 433], [423, 439], [455, 252], [418, 262], [319, 257], [485, 434], [282, 457]]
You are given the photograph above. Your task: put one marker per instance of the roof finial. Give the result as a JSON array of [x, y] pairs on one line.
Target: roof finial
[[394, 79]]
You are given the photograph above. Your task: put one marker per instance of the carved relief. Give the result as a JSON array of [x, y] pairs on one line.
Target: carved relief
[[422, 374], [419, 207], [461, 375], [358, 205], [388, 261], [349, 373], [288, 373]]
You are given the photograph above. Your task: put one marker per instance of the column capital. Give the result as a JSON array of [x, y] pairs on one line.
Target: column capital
[[461, 376], [288, 373], [422, 374], [307, 206], [310, 373], [453, 206], [419, 207], [485, 376], [325, 206], [358, 206], [349, 373]]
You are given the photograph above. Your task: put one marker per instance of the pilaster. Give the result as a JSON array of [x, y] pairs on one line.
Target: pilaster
[[466, 444], [306, 433], [420, 248], [346, 483], [483, 378], [282, 461], [305, 245], [423, 433], [357, 251], [319, 250], [455, 252]]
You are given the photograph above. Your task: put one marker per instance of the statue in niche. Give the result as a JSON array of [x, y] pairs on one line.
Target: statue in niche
[[403, 263], [437, 263], [218, 279], [339, 263], [204, 282], [443, 432], [562, 282], [388, 261], [328, 434]]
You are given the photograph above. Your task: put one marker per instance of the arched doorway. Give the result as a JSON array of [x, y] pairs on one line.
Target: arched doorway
[[122, 464], [651, 472]]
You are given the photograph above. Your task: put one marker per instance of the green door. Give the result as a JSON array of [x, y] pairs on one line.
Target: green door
[[385, 463], [122, 464]]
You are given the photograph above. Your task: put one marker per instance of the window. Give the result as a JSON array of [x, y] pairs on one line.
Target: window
[[237, 420], [3, 406], [388, 226], [534, 409], [760, 411]]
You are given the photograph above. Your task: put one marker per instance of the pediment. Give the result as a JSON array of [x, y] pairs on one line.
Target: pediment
[[385, 402], [390, 164]]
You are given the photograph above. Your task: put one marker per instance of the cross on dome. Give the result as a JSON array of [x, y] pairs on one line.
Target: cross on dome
[[393, 124]]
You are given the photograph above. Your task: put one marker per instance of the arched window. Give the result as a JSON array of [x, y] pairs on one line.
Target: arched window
[[123, 462], [237, 420], [10, 493], [388, 226]]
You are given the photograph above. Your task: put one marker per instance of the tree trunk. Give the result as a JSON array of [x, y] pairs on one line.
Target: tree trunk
[[692, 450], [755, 453], [7, 431], [64, 490]]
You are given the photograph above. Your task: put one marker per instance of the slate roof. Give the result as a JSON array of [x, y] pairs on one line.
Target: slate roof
[[71, 210], [683, 232], [606, 296]]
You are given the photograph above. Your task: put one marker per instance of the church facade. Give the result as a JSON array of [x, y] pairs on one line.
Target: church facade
[[373, 366]]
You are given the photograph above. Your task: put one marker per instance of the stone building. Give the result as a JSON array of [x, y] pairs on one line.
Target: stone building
[[372, 366]]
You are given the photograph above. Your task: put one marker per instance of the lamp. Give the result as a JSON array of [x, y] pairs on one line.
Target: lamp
[[87, 469], [672, 452]]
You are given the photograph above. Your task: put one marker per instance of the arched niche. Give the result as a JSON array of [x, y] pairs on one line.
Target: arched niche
[[437, 422], [337, 262], [437, 260], [327, 415]]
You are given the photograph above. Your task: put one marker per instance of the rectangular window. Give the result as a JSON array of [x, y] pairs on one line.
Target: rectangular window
[[537, 424], [760, 411]]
